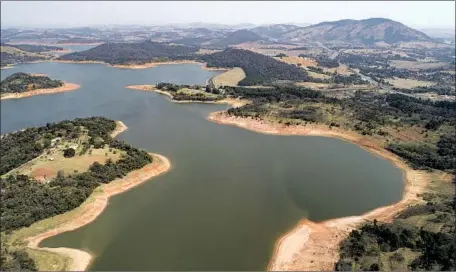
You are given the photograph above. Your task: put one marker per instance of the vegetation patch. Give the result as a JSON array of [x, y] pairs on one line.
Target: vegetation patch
[[259, 69], [23, 82]]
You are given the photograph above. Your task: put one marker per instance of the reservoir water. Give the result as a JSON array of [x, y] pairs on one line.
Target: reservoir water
[[231, 192]]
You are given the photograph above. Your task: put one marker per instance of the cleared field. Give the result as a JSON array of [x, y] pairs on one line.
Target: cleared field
[[46, 166], [314, 85], [405, 83], [404, 64], [202, 51], [229, 78], [195, 92], [342, 69], [318, 75], [298, 61]]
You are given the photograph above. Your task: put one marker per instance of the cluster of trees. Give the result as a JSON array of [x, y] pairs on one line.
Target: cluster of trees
[[125, 53], [363, 248], [325, 61], [424, 156], [346, 80], [275, 94], [36, 48], [23, 82], [183, 96], [14, 258], [26, 201], [259, 69]]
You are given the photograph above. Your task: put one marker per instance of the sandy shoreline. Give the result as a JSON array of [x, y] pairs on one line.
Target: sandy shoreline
[[120, 127], [91, 209], [65, 88], [315, 246], [151, 88]]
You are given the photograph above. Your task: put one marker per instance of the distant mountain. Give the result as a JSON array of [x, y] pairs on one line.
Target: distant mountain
[[125, 53], [237, 37], [368, 31], [274, 31], [213, 26]]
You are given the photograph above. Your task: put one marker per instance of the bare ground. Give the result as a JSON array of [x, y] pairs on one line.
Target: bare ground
[[229, 78]]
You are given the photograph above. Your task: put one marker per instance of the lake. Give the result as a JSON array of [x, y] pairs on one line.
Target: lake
[[231, 193]]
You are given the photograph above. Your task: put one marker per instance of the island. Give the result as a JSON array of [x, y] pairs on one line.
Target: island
[[20, 85], [59, 177]]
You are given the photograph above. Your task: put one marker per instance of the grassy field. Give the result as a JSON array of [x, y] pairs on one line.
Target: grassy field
[[318, 75], [46, 166], [229, 78], [403, 64], [404, 83], [297, 61], [342, 69]]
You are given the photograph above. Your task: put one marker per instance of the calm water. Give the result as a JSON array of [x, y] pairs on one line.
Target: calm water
[[231, 192]]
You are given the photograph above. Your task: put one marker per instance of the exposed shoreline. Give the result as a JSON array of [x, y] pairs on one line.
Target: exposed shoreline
[[65, 88], [151, 88], [94, 206], [315, 245], [120, 127]]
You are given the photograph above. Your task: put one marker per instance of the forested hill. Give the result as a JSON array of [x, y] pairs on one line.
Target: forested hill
[[12, 55], [259, 69], [125, 53], [23, 82], [237, 37], [36, 48]]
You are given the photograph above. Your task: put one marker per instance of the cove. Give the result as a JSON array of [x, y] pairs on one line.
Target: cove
[[231, 193]]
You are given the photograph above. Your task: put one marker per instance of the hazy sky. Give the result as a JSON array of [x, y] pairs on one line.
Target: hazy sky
[[64, 14]]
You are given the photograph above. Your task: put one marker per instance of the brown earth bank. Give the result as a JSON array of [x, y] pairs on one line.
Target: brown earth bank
[[120, 127], [65, 88], [315, 245], [90, 210], [151, 88]]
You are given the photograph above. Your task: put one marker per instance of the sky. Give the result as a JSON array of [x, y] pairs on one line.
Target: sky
[[418, 14]]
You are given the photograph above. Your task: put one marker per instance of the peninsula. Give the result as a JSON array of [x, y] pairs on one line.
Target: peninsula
[[20, 85], [60, 159]]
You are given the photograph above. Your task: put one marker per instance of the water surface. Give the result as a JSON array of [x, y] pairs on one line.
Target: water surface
[[231, 192]]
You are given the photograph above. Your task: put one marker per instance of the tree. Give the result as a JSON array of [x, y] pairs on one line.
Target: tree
[[69, 152]]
